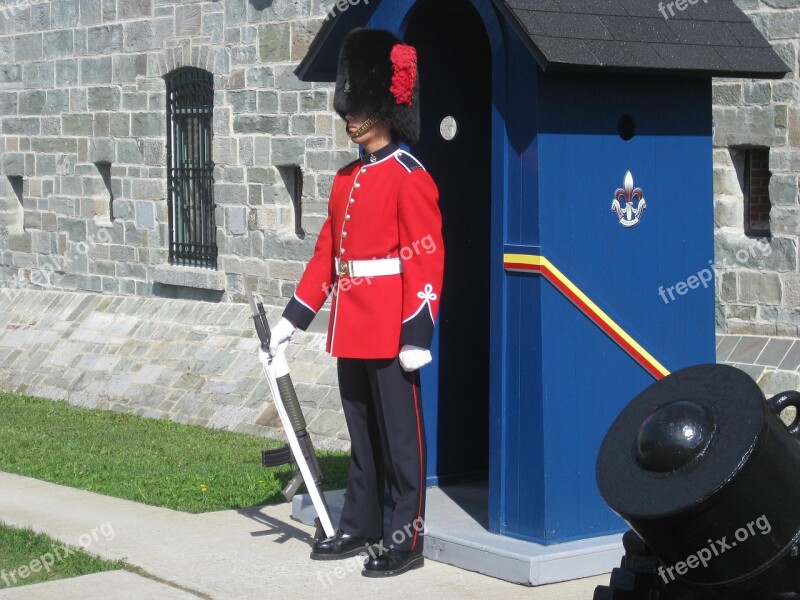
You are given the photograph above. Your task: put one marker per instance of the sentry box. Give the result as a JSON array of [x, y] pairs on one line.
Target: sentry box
[[571, 142]]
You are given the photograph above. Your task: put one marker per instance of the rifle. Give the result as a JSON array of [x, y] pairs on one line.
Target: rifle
[[300, 449]]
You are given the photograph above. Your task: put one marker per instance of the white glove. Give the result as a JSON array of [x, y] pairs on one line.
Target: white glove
[[281, 334], [413, 357]]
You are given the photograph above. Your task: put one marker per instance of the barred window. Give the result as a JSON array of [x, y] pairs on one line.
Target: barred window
[[190, 168], [757, 204]]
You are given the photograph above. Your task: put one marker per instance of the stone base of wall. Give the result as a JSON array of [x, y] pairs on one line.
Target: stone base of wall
[[187, 361], [773, 362]]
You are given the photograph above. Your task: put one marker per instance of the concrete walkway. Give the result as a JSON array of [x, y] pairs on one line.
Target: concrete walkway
[[254, 553]]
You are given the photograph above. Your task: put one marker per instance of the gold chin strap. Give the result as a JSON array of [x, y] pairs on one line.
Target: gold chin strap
[[365, 127]]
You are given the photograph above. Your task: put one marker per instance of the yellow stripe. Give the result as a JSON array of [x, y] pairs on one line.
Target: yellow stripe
[[541, 261]]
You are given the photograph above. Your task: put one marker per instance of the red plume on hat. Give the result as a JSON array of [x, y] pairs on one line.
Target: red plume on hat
[[378, 78]]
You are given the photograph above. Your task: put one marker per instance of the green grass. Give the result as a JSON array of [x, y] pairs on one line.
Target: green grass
[[27, 557], [161, 463]]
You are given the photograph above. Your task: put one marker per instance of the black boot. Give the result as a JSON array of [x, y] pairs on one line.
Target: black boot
[[341, 545], [392, 562]]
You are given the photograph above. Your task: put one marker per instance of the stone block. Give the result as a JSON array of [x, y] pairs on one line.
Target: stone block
[[126, 68], [103, 98], [236, 220], [65, 165], [105, 39], [77, 124], [313, 101], [144, 35], [781, 25], [67, 72], [188, 277], [96, 70], [64, 13], [91, 12], [10, 75], [244, 101], [14, 164], [213, 27], [268, 102], [273, 125], [287, 151], [102, 150], [120, 125], [8, 103], [148, 124], [148, 189], [28, 47], [260, 77], [45, 165], [303, 125], [791, 289], [286, 80], [235, 12], [74, 228], [230, 193], [145, 215], [736, 250], [128, 152], [274, 42], [188, 20], [21, 126], [760, 288], [785, 220], [135, 9], [784, 189], [57, 102], [303, 33], [32, 102], [58, 43], [102, 124]]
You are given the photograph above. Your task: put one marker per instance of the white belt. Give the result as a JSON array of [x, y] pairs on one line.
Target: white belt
[[369, 268]]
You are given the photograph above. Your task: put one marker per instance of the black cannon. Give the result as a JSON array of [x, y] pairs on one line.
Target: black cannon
[[708, 477]]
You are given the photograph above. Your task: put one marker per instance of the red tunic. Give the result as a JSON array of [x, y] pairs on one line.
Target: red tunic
[[384, 205]]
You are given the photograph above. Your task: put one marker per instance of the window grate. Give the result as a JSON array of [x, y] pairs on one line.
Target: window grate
[[756, 192], [190, 171]]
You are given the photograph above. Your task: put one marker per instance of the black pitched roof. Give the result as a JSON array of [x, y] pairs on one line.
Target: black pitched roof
[[713, 38]]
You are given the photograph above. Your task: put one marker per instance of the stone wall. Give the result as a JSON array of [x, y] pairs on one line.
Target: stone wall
[[758, 280], [184, 360], [83, 129]]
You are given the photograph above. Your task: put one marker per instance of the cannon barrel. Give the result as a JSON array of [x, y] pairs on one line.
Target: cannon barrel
[[707, 475]]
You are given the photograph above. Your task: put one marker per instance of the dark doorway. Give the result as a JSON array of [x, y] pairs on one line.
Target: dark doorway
[[456, 95]]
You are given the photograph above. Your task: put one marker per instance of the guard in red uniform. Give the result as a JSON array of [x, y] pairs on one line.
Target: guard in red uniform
[[380, 255]]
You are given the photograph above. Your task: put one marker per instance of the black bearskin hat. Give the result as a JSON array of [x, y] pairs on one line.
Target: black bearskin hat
[[378, 78]]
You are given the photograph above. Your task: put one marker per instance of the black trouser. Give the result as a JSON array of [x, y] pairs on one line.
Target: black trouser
[[383, 409]]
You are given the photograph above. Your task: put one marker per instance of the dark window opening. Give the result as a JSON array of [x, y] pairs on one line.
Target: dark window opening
[[757, 204], [190, 168], [104, 168], [17, 185], [293, 180]]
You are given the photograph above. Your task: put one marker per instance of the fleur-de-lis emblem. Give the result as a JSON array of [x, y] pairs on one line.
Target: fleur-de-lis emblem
[[629, 203], [427, 294]]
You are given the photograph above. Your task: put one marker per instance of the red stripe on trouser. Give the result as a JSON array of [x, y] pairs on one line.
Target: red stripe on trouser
[[418, 521]]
